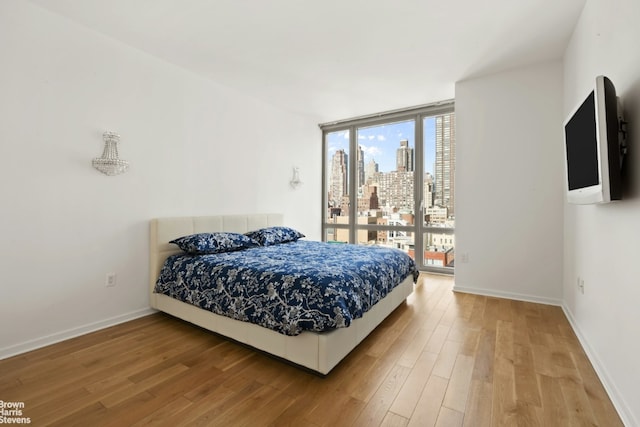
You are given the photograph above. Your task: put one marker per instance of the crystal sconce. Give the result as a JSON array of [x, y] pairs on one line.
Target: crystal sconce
[[110, 164]]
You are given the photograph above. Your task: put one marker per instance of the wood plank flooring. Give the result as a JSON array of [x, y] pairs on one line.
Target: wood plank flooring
[[441, 359]]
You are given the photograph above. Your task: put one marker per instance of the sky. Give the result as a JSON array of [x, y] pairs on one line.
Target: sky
[[381, 142]]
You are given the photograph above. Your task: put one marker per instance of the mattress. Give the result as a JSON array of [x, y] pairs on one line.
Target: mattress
[[290, 287]]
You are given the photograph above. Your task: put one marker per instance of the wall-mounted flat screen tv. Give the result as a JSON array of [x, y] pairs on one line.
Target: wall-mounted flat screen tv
[[592, 147]]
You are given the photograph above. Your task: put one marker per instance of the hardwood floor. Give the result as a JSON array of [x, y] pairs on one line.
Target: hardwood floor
[[443, 359]]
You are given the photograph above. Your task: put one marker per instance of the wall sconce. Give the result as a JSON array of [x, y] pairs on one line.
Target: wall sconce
[[295, 179], [110, 164]]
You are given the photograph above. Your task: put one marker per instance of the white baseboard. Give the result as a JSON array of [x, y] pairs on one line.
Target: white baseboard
[[602, 373], [16, 349], [508, 295]]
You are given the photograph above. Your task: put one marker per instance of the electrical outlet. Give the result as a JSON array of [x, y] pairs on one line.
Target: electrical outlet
[[580, 284], [110, 281], [464, 257]]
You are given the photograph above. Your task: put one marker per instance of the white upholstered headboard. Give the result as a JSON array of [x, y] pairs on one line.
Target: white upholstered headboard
[[163, 230]]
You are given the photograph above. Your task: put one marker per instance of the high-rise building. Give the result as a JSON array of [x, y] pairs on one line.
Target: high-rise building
[[338, 180], [395, 190], [368, 199], [360, 169], [404, 157], [370, 171], [445, 162], [427, 186]]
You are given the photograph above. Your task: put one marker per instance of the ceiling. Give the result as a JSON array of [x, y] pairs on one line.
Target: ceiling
[[336, 59]]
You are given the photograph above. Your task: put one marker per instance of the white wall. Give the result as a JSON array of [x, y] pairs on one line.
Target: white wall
[[602, 243], [509, 175], [195, 148]]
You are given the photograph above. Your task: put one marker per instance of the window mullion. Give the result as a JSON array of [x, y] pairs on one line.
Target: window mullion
[[353, 196]]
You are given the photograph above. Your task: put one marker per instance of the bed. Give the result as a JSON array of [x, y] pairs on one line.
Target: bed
[[317, 351]]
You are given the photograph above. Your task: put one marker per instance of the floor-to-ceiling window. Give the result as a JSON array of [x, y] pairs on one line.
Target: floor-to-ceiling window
[[390, 177]]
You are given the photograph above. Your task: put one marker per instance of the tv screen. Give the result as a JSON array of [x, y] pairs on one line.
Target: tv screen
[[582, 146]]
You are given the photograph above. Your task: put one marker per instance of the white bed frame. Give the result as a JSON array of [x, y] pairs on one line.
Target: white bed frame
[[319, 352]]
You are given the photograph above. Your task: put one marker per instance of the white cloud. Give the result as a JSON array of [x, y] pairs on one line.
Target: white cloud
[[371, 151], [381, 138]]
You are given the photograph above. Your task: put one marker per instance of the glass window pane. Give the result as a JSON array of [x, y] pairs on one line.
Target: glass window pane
[[337, 176], [385, 183], [386, 167], [439, 190], [439, 247], [336, 235]]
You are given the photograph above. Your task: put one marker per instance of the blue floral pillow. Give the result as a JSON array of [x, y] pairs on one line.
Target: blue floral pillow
[[213, 243], [274, 235]]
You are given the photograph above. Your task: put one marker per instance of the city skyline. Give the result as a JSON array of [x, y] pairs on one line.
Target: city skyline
[[385, 175], [381, 142]]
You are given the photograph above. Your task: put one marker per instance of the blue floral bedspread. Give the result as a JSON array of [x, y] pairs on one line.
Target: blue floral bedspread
[[289, 287]]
